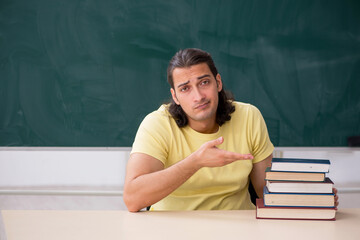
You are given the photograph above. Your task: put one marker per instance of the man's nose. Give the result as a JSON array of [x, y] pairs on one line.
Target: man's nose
[[198, 95]]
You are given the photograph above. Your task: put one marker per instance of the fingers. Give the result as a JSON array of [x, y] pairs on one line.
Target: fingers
[[336, 197], [229, 156], [237, 156], [336, 200], [215, 142]]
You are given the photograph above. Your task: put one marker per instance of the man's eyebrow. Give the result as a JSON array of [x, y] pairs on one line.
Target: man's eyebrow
[[203, 76], [182, 84]]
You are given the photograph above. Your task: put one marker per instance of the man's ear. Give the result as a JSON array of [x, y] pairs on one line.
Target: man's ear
[[173, 94], [219, 82]]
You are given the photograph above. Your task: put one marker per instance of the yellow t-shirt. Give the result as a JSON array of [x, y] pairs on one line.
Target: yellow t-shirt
[[221, 188]]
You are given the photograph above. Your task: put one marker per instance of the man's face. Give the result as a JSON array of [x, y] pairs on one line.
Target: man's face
[[196, 91]]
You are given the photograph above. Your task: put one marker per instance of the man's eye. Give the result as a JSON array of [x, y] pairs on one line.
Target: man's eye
[[204, 82], [183, 89]]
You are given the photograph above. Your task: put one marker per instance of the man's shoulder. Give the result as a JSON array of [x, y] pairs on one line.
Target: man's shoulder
[[159, 117], [241, 104], [161, 113], [241, 107]]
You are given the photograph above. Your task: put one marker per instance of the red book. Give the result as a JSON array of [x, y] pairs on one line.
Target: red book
[[294, 213]]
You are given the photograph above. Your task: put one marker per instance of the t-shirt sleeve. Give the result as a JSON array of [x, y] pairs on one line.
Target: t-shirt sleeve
[[260, 140], [152, 137]]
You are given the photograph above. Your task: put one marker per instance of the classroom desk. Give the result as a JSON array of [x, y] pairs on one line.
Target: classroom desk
[[60, 224]]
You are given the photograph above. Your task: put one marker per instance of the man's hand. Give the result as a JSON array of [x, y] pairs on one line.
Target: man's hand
[[208, 155], [336, 197]]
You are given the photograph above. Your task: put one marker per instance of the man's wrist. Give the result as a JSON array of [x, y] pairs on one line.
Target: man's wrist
[[191, 163]]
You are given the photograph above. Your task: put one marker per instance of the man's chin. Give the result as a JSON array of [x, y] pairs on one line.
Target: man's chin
[[202, 116]]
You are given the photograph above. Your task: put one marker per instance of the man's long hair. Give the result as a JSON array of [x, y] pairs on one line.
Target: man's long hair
[[189, 57]]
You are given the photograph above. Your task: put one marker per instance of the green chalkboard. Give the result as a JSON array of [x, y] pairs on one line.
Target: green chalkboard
[[86, 72]]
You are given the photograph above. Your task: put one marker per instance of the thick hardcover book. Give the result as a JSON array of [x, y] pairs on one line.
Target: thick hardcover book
[[300, 165], [293, 176], [300, 187], [299, 199], [293, 213]]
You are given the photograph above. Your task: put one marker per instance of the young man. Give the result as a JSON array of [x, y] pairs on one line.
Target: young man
[[201, 150]]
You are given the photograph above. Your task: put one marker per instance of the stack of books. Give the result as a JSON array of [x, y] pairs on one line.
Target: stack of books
[[297, 189]]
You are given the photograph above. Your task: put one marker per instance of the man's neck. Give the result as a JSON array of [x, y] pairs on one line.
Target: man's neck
[[205, 127]]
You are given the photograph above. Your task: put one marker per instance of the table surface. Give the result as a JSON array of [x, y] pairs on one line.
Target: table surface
[[242, 224]]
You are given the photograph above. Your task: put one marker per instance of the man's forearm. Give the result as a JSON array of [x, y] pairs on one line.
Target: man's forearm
[[150, 188]]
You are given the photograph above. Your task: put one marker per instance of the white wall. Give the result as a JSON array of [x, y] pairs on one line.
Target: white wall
[[62, 166], [102, 170]]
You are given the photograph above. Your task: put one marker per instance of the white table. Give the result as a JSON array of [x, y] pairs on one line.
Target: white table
[[122, 225]]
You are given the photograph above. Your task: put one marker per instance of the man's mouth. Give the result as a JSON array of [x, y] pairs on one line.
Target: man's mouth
[[202, 105]]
